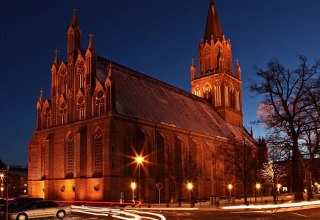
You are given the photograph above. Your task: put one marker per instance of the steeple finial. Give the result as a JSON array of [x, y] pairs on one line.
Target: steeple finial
[[110, 70], [193, 70], [74, 22], [56, 58], [213, 26], [90, 46], [238, 70]]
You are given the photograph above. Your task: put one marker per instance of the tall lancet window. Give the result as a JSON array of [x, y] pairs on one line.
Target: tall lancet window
[[80, 109], [63, 113], [63, 81], [206, 59], [238, 100], [207, 92], [80, 71], [69, 157], [217, 95], [232, 97], [44, 161], [97, 154], [99, 103], [226, 95], [197, 91], [47, 117]]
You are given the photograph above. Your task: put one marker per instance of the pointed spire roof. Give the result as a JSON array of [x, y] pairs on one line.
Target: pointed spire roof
[[90, 45], [56, 58], [213, 26], [74, 22]]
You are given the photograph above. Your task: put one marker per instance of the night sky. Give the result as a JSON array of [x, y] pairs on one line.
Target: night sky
[[157, 38]]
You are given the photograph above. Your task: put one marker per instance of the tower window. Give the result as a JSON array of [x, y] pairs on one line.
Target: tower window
[[80, 71], [47, 117], [63, 113], [80, 109], [63, 81], [197, 91], [99, 104], [217, 95]]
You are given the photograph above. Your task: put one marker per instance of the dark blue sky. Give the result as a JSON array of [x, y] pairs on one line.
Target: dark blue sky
[[157, 38]]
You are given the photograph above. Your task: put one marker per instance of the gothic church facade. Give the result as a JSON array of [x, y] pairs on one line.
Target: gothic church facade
[[102, 114]]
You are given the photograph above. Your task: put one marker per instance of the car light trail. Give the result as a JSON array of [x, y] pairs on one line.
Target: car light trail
[[288, 205], [148, 213]]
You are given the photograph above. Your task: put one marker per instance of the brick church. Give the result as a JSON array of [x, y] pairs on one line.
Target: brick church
[[101, 115]]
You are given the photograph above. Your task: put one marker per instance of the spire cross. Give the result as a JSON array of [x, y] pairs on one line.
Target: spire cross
[[56, 51], [91, 35]]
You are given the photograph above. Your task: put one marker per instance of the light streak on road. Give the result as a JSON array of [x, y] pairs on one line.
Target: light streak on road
[[286, 205], [116, 213], [148, 213]]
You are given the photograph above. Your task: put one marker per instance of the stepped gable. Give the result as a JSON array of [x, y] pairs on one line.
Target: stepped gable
[[143, 97]]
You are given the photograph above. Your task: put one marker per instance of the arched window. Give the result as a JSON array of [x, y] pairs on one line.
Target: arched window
[[226, 95], [232, 97], [197, 91], [217, 95], [238, 100], [80, 109], [43, 162], [97, 154], [69, 157], [63, 81], [99, 104], [207, 93], [80, 72], [47, 117], [207, 59], [63, 113]]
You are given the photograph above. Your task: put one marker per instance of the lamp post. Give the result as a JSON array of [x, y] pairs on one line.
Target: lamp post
[[133, 187], [190, 187], [278, 190], [258, 186], [2, 188], [139, 160], [230, 188]]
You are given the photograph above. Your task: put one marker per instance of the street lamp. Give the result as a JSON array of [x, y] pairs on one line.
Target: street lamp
[[133, 187], [139, 160], [258, 187], [2, 188], [230, 188], [190, 187], [278, 190]]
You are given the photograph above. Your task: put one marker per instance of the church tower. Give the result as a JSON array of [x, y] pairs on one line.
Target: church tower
[[215, 80]]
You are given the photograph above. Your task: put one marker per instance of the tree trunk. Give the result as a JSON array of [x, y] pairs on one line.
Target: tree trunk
[[297, 183], [308, 180]]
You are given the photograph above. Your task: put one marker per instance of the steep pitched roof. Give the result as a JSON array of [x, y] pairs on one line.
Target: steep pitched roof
[[140, 96], [213, 26]]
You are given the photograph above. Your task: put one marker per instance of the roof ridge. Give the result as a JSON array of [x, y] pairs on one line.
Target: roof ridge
[[135, 73]]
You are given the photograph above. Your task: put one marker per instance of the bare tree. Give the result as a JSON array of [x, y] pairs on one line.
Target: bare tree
[[240, 162], [272, 173], [285, 106]]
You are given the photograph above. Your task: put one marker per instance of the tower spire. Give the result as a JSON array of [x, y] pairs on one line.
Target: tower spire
[[213, 26], [90, 45], [74, 35], [56, 58]]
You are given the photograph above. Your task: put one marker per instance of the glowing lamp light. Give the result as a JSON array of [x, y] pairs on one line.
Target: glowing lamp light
[[189, 186], [230, 186], [258, 186], [1, 175], [133, 185], [2, 189], [139, 159]]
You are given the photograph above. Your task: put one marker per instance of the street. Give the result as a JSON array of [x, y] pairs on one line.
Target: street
[[208, 214]]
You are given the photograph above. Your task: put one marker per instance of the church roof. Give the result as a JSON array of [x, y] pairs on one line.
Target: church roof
[[142, 97]]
